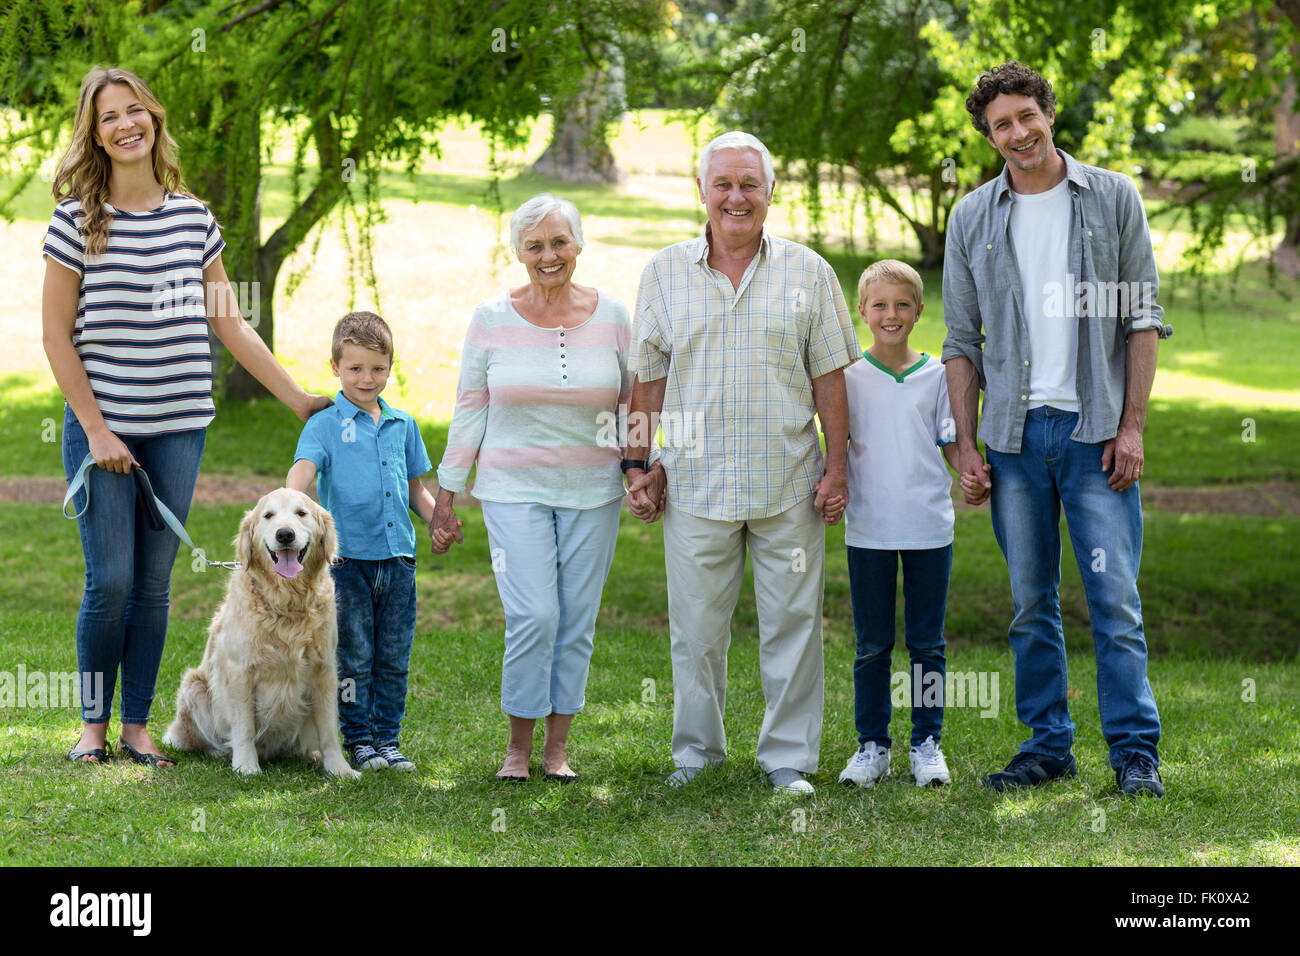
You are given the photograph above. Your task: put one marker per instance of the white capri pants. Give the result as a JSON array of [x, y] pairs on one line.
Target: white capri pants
[[550, 565]]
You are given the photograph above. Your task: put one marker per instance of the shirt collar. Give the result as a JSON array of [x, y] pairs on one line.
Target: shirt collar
[[1073, 173], [701, 252], [348, 410]]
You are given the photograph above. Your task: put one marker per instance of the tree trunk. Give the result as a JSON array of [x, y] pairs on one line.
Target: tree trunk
[[578, 152], [1286, 144], [238, 208], [932, 244]]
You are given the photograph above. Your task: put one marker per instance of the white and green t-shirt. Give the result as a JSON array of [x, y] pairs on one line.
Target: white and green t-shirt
[[899, 486]]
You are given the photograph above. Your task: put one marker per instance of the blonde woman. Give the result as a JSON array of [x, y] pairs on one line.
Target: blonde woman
[[133, 277]]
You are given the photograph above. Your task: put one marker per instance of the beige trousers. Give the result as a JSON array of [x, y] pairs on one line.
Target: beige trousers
[[705, 563]]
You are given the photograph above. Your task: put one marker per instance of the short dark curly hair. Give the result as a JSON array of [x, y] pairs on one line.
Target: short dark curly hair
[[1011, 77]]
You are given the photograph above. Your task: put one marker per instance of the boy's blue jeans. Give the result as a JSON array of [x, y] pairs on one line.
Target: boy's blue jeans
[[123, 617], [873, 581], [1029, 491], [376, 611]]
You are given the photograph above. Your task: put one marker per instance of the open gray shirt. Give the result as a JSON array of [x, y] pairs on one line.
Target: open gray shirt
[[1110, 282]]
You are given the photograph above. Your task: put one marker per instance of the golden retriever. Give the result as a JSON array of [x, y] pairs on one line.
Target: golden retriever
[[267, 685]]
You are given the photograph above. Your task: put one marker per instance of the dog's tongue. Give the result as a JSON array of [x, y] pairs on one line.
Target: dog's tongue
[[287, 564]]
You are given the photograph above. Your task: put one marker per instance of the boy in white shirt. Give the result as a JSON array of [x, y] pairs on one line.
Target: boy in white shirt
[[899, 506]]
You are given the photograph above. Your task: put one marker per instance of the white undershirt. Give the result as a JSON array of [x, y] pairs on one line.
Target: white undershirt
[[1040, 235]]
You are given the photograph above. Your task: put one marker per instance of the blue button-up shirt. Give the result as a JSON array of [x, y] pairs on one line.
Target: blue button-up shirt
[[363, 471], [1110, 281]]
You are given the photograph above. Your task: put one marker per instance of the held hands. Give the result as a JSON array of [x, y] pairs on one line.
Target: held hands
[[444, 527], [110, 453], [976, 477], [1124, 451], [832, 497], [647, 492]]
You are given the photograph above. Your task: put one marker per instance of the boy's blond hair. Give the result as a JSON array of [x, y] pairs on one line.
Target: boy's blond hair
[[891, 270], [364, 329]]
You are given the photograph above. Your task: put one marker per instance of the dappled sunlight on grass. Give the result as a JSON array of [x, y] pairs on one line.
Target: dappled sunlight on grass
[[1206, 389]]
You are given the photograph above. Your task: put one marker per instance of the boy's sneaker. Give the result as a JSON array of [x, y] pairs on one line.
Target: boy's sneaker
[[365, 757], [394, 759], [1138, 775], [1029, 770], [866, 766], [928, 766]]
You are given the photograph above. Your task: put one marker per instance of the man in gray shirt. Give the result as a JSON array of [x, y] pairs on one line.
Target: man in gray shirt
[[1049, 292]]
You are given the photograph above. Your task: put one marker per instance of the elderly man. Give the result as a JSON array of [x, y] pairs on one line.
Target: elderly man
[[742, 338], [1049, 294]]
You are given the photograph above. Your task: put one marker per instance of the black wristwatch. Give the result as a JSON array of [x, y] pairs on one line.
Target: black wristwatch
[[641, 463]]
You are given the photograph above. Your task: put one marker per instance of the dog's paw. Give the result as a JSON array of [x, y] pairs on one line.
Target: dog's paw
[[344, 772], [247, 767]]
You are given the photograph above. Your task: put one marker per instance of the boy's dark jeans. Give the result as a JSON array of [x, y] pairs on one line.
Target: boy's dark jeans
[[376, 611], [873, 577]]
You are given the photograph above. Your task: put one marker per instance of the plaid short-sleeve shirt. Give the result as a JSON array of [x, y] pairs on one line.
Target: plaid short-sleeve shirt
[[740, 437]]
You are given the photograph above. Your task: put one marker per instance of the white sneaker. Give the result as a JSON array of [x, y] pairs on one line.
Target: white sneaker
[[928, 766], [867, 765]]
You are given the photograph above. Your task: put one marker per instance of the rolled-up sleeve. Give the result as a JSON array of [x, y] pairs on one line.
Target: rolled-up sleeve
[[961, 310], [1137, 264]]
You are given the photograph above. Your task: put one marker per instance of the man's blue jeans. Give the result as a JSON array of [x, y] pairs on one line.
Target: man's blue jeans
[[873, 582], [123, 616], [1029, 491], [376, 609]]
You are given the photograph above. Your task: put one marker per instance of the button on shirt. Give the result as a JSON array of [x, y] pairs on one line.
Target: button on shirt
[[1110, 283], [740, 440], [363, 471]]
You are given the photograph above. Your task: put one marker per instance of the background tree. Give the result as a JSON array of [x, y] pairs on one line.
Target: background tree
[[351, 83], [877, 90]]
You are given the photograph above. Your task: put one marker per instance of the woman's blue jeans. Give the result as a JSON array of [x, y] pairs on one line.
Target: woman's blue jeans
[[873, 582], [1030, 489], [123, 618]]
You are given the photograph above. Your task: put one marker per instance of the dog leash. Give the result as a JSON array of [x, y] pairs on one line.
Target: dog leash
[[156, 513]]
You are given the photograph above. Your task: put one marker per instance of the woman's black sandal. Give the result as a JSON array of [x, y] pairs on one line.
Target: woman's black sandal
[[153, 760], [99, 753]]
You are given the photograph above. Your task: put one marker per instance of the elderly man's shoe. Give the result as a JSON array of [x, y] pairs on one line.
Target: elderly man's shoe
[[789, 780]]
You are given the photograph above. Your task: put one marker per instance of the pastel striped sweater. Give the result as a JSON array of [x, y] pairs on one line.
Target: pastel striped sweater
[[142, 328], [537, 410]]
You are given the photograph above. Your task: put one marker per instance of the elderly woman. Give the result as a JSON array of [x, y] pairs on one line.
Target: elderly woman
[[543, 373]]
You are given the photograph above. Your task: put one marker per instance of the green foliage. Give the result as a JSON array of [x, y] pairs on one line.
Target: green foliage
[[353, 83]]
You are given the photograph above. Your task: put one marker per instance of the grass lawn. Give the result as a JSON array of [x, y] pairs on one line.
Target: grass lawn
[[1218, 600], [1231, 765]]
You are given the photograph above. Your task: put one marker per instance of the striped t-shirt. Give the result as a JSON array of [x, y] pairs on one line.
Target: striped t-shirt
[[142, 331], [538, 410]]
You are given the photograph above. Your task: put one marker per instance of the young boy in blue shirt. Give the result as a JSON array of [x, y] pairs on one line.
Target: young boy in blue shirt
[[899, 508], [367, 458]]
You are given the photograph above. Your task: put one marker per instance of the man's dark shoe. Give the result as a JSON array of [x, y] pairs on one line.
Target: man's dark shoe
[[1138, 775], [1029, 770]]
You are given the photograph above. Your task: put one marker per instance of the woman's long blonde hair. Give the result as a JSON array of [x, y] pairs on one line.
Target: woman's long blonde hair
[[86, 170]]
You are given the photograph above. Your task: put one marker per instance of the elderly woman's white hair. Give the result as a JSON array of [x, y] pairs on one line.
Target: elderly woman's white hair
[[737, 140], [538, 208]]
